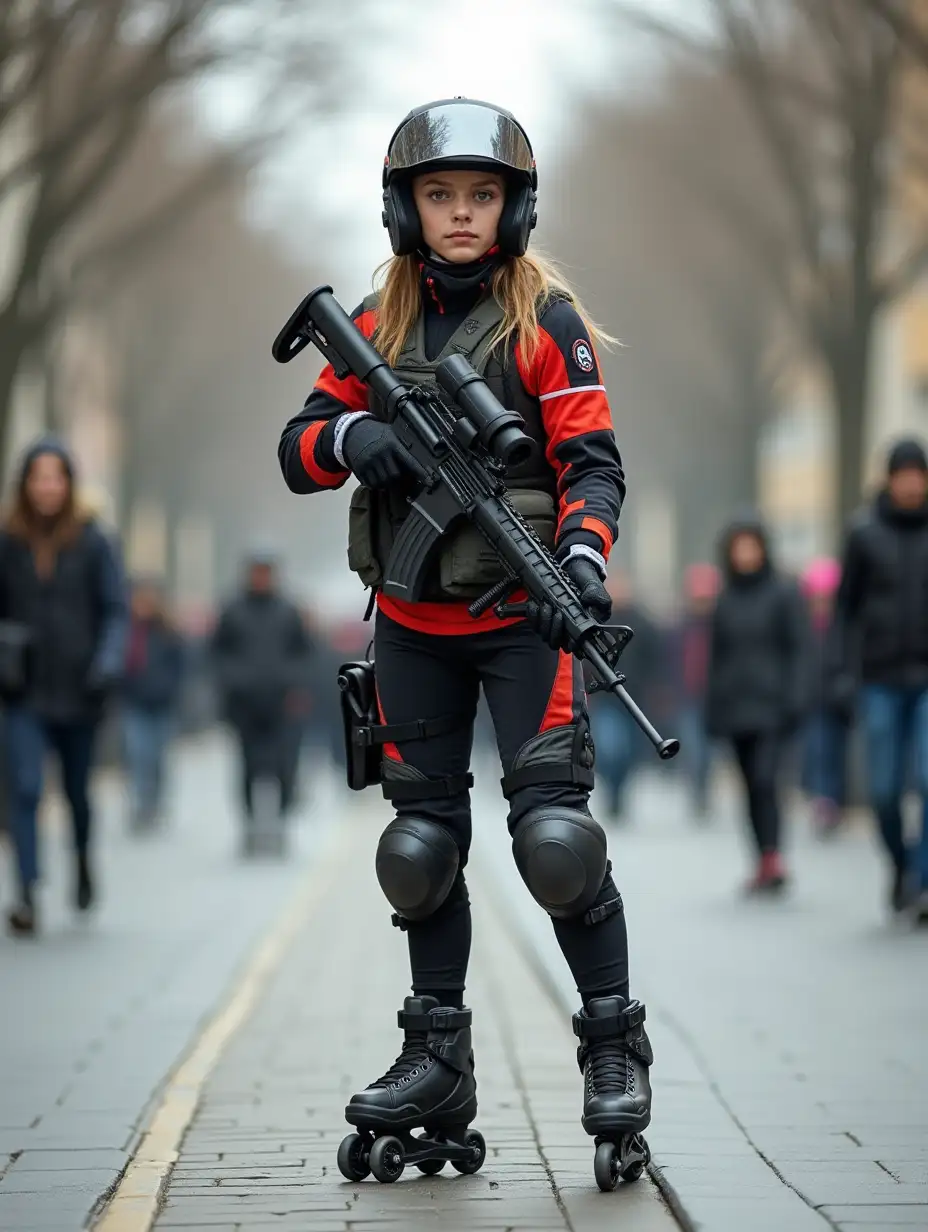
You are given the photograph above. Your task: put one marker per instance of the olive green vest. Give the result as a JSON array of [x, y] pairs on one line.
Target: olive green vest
[[466, 565]]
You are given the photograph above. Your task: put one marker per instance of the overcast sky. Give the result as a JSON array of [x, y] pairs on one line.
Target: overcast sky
[[540, 59], [537, 59]]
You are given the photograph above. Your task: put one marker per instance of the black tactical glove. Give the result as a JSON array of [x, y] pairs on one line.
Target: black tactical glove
[[589, 583], [548, 623], [376, 456]]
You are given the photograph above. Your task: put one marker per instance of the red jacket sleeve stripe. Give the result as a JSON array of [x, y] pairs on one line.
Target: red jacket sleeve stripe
[[324, 478]]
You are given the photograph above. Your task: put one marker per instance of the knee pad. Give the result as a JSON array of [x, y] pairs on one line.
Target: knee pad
[[417, 862], [561, 856]]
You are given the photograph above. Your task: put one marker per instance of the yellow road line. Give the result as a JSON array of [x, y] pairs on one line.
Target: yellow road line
[[135, 1202]]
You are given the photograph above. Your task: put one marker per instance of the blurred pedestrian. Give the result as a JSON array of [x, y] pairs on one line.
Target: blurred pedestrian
[[64, 613], [151, 694], [824, 754], [690, 659], [261, 655], [881, 641], [619, 743], [758, 681]]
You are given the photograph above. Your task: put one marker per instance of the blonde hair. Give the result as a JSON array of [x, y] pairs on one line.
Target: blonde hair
[[521, 285]]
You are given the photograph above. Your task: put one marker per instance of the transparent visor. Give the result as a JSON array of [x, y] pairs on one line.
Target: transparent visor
[[460, 131]]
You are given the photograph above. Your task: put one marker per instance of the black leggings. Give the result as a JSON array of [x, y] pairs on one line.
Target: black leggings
[[528, 688], [759, 757]]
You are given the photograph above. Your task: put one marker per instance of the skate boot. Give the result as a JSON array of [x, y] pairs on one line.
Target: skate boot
[[614, 1056], [431, 1087]]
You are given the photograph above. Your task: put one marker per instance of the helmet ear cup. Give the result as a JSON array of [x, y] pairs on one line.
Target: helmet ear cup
[[401, 218], [517, 220]]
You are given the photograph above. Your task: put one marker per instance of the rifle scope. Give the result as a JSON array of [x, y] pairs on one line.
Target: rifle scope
[[500, 431]]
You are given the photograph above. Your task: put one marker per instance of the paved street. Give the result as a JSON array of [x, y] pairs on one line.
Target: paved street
[[791, 1077], [96, 1012], [791, 1073]]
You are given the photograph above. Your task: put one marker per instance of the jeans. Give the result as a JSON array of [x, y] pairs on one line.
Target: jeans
[[614, 735], [896, 729], [824, 757], [28, 737], [696, 748], [147, 734]]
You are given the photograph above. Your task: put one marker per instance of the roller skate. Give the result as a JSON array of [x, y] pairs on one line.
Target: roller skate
[[431, 1087], [614, 1056]]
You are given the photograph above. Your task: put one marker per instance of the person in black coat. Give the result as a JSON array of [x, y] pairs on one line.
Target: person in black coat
[[881, 642], [758, 680], [63, 616], [154, 675], [262, 655]]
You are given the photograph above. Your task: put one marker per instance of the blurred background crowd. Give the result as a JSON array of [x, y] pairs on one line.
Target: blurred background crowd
[[739, 191]]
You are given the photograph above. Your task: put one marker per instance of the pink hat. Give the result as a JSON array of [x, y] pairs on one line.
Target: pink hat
[[821, 576]]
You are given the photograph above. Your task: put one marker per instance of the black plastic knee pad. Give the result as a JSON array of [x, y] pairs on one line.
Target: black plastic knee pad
[[561, 856], [417, 862]]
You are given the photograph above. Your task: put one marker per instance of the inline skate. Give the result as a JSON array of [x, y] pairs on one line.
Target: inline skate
[[431, 1087], [614, 1056]]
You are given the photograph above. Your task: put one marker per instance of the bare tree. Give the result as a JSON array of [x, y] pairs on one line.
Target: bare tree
[[78, 82], [656, 262], [829, 90]]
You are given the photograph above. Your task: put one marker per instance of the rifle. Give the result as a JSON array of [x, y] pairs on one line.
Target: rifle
[[465, 458]]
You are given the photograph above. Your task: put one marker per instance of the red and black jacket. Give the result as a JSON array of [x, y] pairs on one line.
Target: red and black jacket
[[563, 375]]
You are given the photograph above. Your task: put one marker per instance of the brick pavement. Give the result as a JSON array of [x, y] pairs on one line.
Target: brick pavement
[[791, 1068], [96, 1011], [260, 1153]]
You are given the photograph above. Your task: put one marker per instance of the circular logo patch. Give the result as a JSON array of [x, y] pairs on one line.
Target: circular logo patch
[[583, 356]]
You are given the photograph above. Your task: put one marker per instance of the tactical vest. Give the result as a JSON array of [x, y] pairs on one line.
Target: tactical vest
[[466, 565]]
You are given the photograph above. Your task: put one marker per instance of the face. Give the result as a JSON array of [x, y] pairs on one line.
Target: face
[[260, 579], [47, 485], [145, 602], [746, 553], [459, 212], [908, 488]]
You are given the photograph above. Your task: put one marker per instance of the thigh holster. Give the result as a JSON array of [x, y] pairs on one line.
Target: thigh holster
[[365, 737]]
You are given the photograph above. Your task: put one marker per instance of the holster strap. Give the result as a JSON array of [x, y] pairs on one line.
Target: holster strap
[[555, 772], [399, 789], [396, 733]]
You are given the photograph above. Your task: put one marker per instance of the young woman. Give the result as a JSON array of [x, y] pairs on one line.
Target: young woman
[[459, 193], [61, 586], [758, 682]]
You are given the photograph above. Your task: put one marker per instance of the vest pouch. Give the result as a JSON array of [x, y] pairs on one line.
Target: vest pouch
[[468, 566], [362, 536]]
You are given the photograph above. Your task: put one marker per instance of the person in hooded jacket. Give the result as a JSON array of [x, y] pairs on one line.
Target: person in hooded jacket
[[758, 682], [881, 643], [64, 617]]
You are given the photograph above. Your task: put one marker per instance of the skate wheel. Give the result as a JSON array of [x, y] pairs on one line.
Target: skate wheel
[[478, 1153], [633, 1172], [388, 1159], [352, 1158], [606, 1166], [431, 1167]]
